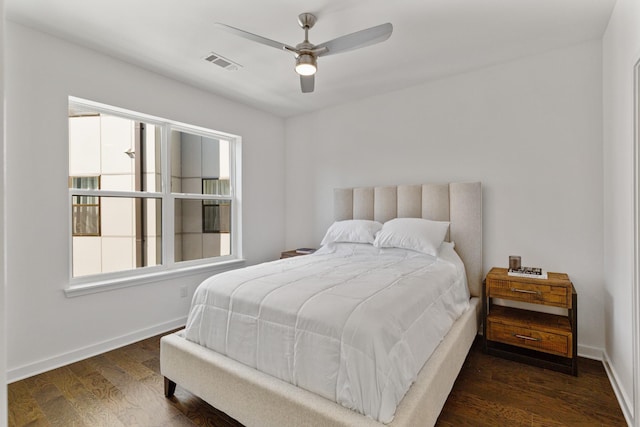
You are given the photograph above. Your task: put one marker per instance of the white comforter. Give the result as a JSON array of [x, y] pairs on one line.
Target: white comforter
[[352, 322]]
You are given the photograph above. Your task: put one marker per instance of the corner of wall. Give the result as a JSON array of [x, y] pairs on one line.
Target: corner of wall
[[3, 346], [626, 404]]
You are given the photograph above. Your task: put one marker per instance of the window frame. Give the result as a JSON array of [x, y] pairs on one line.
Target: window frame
[[169, 267]]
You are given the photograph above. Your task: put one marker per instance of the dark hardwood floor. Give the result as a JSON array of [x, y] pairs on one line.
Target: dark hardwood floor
[[124, 388], [495, 392]]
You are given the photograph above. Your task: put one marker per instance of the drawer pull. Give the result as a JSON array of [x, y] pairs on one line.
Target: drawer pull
[[525, 291], [524, 337]]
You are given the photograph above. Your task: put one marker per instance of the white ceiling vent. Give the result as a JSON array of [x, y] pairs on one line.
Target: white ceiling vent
[[221, 61]]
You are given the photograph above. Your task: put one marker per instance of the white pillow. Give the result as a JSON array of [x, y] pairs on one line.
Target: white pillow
[[416, 234], [352, 231]]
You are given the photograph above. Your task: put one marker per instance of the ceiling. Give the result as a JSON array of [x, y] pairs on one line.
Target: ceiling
[[431, 39]]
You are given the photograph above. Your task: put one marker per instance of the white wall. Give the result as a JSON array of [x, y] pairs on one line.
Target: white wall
[[3, 347], [621, 50], [44, 327], [530, 130]]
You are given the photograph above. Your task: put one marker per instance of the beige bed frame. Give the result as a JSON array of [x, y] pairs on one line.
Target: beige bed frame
[[258, 399]]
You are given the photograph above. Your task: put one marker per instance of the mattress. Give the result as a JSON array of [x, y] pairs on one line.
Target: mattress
[[352, 323]]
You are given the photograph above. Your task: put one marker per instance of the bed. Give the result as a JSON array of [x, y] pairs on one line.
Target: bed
[[257, 399]]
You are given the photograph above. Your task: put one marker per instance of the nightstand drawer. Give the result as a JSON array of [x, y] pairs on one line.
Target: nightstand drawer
[[542, 293], [530, 338], [544, 332]]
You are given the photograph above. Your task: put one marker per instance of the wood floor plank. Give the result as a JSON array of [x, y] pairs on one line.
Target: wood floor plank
[[141, 396], [94, 381], [90, 407], [23, 408], [115, 401], [149, 387], [51, 400], [40, 422], [469, 409], [124, 387], [141, 353], [153, 364], [201, 413], [60, 412], [550, 398], [180, 420], [136, 369]]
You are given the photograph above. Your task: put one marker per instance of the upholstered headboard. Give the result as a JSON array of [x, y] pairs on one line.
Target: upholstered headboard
[[458, 203]]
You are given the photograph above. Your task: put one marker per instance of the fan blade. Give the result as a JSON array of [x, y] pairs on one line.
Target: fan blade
[[307, 83], [254, 37], [356, 40]]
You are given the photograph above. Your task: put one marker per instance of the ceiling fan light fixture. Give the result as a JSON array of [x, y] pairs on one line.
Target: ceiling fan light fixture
[[306, 65]]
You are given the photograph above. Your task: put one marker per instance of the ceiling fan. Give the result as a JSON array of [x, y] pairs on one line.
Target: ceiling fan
[[307, 53]]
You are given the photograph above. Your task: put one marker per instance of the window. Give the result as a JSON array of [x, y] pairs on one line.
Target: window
[[86, 209], [216, 214], [141, 193]]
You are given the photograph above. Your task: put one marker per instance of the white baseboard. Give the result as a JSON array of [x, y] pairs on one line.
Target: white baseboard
[[593, 353], [626, 404], [41, 366]]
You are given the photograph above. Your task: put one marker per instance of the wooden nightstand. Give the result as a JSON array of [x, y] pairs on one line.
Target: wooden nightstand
[[530, 336], [291, 254]]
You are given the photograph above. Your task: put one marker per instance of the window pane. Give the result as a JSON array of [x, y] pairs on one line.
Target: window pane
[[124, 153], [202, 230], [216, 186], [85, 200], [130, 235], [195, 158], [85, 182], [216, 216], [86, 220], [85, 209]]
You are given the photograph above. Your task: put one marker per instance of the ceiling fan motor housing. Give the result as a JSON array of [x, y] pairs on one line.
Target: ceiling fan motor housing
[[307, 20]]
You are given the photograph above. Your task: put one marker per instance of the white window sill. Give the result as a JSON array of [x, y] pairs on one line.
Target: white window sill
[[143, 279]]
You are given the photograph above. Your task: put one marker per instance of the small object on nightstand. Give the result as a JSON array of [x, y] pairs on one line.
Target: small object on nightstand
[[530, 272], [514, 262], [531, 336], [296, 252], [516, 269]]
